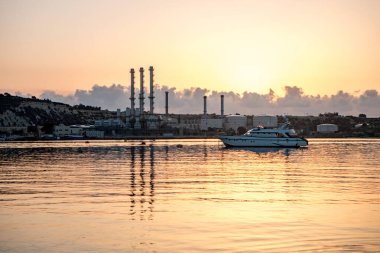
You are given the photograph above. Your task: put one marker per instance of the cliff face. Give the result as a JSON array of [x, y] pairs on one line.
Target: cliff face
[[23, 112]]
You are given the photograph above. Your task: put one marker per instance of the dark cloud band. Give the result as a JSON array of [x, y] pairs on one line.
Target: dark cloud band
[[190, 100]]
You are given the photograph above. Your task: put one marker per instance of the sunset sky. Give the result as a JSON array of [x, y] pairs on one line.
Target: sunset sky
[[320, 46]]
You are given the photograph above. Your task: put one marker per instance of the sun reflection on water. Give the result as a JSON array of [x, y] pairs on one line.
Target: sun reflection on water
[[197, 196]]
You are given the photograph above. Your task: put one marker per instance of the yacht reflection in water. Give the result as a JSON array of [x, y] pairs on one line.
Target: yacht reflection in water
[[141, 194], [284, 151]]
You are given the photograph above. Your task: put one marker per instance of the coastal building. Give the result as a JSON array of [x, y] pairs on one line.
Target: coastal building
[[109, 123], [153, 121], [63, 130], [327, 128], [190, 122], [265, 121], [92, 133], [234, 122], [171, 122], [213, 123]]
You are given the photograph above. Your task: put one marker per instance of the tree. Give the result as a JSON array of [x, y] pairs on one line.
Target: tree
[[231, 131], [48, 128], [241, 130]]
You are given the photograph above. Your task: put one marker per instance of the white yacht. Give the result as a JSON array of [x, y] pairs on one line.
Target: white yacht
[[283, 136]]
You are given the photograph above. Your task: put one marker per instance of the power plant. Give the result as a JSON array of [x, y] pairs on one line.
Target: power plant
[[136, 118], [148, 122]]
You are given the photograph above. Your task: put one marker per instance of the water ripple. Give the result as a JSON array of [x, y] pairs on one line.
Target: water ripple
[[198, 197]]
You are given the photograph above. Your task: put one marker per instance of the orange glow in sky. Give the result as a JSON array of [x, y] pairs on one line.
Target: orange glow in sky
[[321, 46]]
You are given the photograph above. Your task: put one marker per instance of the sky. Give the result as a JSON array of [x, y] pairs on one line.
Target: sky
[[323, 48]]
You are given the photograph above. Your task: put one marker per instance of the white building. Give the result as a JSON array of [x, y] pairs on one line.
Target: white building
[[190, 123], [265, 121], [152, 121], [63, 130], [234, 122], [327, 128], [171, 122], [109, 123], [91, 133], [216, 123]]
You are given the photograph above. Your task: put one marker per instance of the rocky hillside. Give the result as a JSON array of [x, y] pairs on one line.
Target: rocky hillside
[[18, 111]]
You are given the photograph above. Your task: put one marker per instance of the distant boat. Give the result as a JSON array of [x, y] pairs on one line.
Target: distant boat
[[283, 136]]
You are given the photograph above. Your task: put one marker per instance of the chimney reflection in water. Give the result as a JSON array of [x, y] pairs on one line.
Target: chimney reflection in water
[[151, 182], [133, 184], [142, 182], [143, 209]]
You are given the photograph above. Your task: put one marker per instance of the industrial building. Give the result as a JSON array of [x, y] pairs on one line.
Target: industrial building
[[137, 120], [110, 123], [327, 128], [264, 121], [63, 130], [211, 123], [235, 121]]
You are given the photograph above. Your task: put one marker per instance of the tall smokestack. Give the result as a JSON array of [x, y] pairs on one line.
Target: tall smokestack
[[167, 103], [132, 98], [141, 91], [151, 97], [222, 105], [205, 105]]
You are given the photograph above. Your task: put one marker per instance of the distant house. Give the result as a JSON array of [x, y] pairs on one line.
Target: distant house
[[91, 133], [109, 123], [327, 128], [63, 130]]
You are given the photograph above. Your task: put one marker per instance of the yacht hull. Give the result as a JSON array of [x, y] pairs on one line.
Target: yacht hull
[[245, 141]]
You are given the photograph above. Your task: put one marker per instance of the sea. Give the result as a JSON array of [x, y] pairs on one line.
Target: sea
[[189, 195]]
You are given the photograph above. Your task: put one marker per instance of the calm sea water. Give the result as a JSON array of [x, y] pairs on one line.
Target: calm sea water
[[116, 196]]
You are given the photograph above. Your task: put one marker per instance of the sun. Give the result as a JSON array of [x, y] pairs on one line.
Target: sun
[[250, 77]]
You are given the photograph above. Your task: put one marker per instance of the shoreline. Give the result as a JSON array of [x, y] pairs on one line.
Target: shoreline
[[132, 138]]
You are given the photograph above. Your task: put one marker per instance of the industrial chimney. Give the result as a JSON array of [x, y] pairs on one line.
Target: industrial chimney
[[222, 105], [167, 103], [141, 91], [151, 97], [132, 92], [205, 105]]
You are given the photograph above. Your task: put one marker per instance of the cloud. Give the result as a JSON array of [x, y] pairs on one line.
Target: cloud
[[112, 97], [294, 102], [369, 102], [55, 97]]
